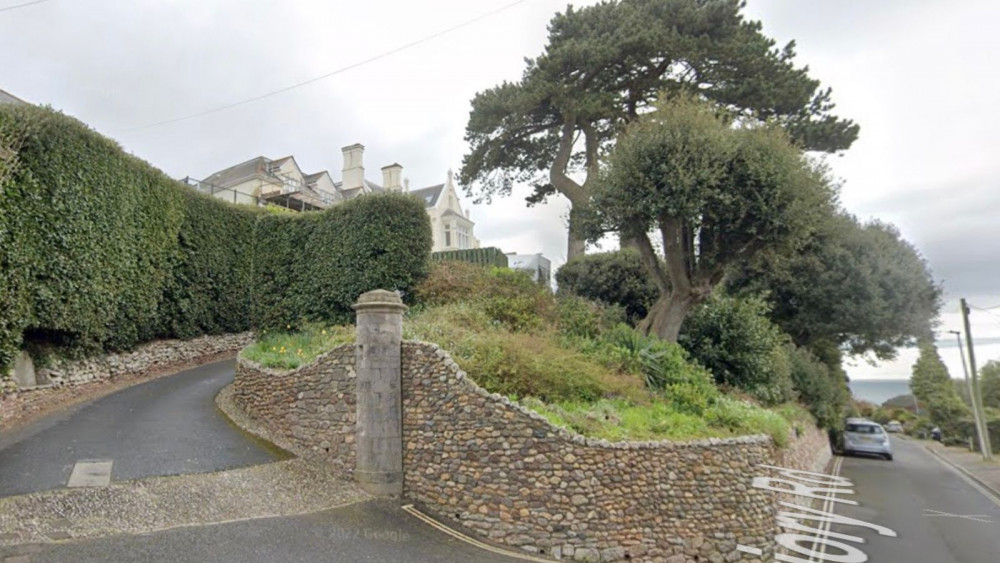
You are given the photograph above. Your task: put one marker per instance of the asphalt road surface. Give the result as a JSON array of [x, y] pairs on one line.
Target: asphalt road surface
[[168, 426], [373, 531], [939, 516]]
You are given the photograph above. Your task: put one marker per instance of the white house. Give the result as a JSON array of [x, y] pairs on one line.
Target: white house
[[263, 181], [538, 266]]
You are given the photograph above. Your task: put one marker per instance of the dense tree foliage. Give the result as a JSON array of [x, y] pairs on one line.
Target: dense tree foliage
[[989, 384], [935, 390], [820, 386], [605, 65], [614, 278], [859, 287], [716, 195]]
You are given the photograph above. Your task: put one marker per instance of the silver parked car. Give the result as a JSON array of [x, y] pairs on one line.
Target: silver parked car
[[866, 437], [894, 426]]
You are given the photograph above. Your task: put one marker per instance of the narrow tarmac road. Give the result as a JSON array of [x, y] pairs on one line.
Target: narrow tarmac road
[[940, 517], [375, 531], [168, 426]]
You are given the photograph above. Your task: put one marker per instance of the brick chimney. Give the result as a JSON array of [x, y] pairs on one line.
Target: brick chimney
[[353, 174], [391, 175]]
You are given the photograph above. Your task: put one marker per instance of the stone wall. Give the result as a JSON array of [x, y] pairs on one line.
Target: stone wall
[[19, 403], [505, 473], [312, 407], [148, 356], [809, 451]]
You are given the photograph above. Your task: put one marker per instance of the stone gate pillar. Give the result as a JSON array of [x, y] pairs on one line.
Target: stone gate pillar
[[379, 440]]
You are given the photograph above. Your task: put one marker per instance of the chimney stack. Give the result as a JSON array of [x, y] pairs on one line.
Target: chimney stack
[[353, 174], [391, 175]]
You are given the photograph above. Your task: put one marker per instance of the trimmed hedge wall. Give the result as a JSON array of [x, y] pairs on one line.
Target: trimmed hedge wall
[[491, 256], [375, 241], [101, 251]]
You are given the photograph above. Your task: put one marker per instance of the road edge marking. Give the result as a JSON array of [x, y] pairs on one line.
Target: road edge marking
[[413, 511]]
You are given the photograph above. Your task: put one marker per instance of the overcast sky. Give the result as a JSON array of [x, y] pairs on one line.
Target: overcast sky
[[919, 76]]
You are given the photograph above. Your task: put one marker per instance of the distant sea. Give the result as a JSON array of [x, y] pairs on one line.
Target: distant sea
[[879, 391]]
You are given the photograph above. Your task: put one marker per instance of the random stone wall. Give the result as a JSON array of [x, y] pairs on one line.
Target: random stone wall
[[19, 403], [312, 407], [148, 356], [809, 451], [505, 473]]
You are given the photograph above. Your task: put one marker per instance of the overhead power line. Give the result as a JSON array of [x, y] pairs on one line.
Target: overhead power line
[[331, 73], [987, 311], [22, 5]]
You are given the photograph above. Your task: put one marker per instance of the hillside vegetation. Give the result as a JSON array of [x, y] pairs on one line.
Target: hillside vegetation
[[571, 360]]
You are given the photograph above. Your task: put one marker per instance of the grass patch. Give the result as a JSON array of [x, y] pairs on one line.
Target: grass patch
[[289, 350]]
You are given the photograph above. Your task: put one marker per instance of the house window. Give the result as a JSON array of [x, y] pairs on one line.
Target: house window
[[447, 235], [463, 237]]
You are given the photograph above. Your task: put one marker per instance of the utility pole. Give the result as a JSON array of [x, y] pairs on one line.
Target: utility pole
[[972, 392], [977, 403]]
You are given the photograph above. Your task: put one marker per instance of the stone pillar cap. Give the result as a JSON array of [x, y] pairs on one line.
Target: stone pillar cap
[[379, 298]]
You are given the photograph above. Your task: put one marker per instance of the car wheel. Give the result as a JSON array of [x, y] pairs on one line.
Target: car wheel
[[888, 457]]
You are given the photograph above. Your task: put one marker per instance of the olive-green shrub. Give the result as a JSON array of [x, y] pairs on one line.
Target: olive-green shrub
[[735, 340], [614, 278], [101, 251]]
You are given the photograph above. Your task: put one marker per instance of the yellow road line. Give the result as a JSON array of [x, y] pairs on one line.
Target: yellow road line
[[410, 509]]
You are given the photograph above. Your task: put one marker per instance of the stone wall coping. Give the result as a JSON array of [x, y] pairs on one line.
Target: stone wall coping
[[575, 438]]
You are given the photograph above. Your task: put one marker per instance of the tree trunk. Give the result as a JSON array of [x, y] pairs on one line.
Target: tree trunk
[[667, 315], [577, 243]]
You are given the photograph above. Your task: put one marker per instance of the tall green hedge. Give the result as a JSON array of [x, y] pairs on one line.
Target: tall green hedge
[[101, 251], [376, 241], [490, 256]]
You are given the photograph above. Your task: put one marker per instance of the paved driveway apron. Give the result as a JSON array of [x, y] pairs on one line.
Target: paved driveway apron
[[168, 426]]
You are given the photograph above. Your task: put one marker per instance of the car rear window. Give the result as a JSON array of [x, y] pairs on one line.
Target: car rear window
[[863, 429]]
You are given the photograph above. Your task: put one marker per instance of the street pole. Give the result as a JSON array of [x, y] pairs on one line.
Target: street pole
[[977, 404], [968, 382]]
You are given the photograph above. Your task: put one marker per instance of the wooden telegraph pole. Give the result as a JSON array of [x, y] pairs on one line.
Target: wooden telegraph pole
[[977, 401]]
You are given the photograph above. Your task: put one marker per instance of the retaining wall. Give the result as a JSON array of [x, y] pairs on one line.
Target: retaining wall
[[313, 407], [507, 474], [19, 401], [145, 357]]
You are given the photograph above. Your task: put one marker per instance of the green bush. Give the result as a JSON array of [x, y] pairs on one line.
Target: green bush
[[101, 251], [614, 278], [734, 340]]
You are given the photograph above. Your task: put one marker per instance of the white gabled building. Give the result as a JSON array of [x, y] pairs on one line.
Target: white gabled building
[[263, 181]]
